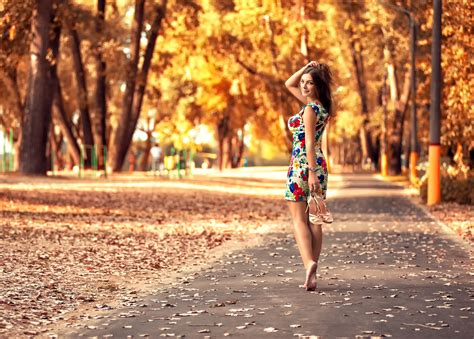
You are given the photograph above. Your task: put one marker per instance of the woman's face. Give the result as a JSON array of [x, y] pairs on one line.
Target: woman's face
[[307, 86]]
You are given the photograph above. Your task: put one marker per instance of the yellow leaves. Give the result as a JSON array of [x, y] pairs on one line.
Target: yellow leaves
[[211, 102], [448, 30], [347, 24], [212, 22], [267, 150], [348, 123]]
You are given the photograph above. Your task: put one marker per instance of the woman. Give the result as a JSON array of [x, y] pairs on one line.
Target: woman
[[308, 173]]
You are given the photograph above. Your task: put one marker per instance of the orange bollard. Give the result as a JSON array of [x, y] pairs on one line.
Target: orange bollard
[[384, 165], [413, 161], [434, 175]]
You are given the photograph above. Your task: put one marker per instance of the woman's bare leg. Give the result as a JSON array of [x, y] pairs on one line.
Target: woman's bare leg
[[304, 240], [317, 239]]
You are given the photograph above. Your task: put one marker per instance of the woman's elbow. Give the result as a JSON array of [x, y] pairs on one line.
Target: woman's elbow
[[309, 145]]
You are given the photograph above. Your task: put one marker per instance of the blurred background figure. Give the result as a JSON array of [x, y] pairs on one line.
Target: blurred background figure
[[157, 159]]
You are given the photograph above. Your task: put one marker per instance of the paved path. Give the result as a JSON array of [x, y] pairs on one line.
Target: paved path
[[386, 269]]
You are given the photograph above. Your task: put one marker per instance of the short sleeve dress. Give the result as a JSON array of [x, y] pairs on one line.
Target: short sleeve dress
[[297, 188]]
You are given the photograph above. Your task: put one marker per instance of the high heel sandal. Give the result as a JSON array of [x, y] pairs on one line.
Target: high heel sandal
[[316, 215], [327, 216], [314, 210]]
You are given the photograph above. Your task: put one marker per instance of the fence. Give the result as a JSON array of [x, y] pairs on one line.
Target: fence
[[7, 155], [94, 160], [174, 164]]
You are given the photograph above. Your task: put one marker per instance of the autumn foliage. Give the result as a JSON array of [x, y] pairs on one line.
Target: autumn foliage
[[119, 69]]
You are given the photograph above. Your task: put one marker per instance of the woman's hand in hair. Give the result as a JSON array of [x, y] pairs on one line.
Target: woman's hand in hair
[[312, 64]]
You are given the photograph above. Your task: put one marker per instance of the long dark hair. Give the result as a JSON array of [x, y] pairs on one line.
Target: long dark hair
[[322, 77]]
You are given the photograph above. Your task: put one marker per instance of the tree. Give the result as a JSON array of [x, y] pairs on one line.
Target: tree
[[135, 87], [37, 114], [100, 87], [60, 115]]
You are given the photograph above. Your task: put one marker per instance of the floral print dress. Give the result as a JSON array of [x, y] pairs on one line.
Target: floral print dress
[[297, 188]]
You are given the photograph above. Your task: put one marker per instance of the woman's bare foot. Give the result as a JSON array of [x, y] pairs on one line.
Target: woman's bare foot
[[310, 282]]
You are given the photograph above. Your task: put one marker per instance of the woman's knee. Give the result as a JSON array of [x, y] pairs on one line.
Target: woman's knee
[[300, 224]]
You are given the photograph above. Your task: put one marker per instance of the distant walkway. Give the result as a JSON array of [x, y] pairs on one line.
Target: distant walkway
[[386, 269]]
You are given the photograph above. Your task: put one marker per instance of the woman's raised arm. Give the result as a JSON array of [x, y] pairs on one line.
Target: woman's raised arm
[[293, 82]]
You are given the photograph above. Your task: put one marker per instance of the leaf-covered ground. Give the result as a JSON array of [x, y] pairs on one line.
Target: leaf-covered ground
[[386, 269], [68, 243], [71, 245], [460, 218]]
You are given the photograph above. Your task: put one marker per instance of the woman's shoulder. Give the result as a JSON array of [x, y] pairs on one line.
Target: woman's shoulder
[[316, 106]]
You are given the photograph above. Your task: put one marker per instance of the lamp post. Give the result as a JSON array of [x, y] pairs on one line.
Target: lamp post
[[434, 179], [413, 121]]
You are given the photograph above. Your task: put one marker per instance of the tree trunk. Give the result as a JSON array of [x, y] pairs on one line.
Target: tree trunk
[[142, 77], [238, 150], [100, 95], [59, 113], [88, 139], [223, 130], [274, 86], [37, 115], [62, 120], [146, 153], [283, 119], [10, 79], [55, 150], [120, 144], [304, 49], [364, 133], [395, 133], [226, 152], [280, 102], [17, 146]]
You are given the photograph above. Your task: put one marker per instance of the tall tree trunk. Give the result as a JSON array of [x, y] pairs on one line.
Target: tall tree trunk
[[274, 86], [364, 133], [160, 11], [238, 149], [17, 147], [304, 49], [80, 75], [223, 130], [59, 113], [395, 132], [37, 115], [227, 152], [55, 150], [10, 79], [64, 123], [100, 95], [120, 143], [146, 152], [280, 102]]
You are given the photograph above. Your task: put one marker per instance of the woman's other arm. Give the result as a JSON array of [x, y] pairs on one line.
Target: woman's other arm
[[310, 119]]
